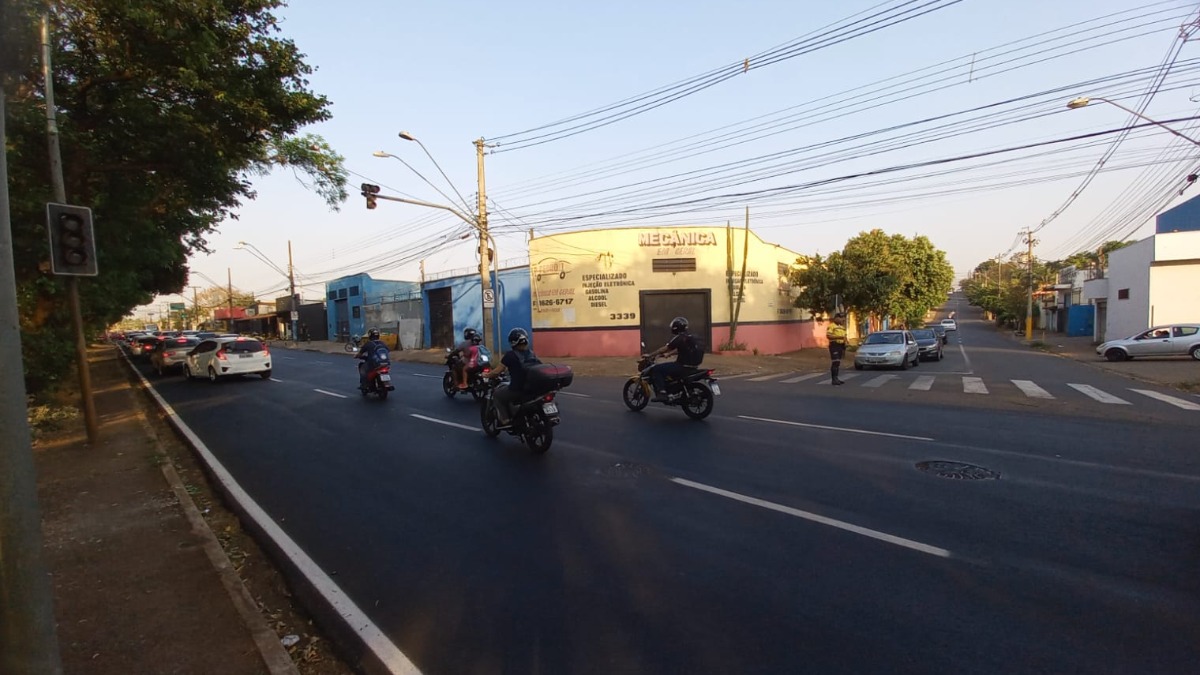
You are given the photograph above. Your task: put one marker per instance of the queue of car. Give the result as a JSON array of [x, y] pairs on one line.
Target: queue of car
[[199, 354], [900, 348]]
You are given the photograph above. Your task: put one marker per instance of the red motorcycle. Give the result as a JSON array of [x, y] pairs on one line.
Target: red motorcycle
[[379, 376]]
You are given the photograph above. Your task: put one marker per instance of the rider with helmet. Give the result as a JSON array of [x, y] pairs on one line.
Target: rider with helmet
[[515, 362], [468, 356], [367, 355], [688, 354]]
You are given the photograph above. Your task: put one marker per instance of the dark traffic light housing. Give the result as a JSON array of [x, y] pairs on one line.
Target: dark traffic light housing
[[369, 191], [72, 244]]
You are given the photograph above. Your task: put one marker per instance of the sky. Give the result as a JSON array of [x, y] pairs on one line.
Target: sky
[[859, 127]]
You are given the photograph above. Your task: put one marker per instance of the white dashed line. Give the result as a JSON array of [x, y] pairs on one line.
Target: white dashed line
[[435, 377], [571, 393], [1177, 402], [922, 383], [1032, 390], [329, 393], [435, 420], [276, 380]]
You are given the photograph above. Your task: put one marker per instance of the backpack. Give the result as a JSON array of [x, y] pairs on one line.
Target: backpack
[[692, 352], [380, 354]]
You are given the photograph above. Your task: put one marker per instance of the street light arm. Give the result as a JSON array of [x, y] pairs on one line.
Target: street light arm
[[1084, 100], [409, 137], [447, 197]]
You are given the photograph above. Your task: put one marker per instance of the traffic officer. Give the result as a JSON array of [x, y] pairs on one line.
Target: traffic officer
[[836, 334]]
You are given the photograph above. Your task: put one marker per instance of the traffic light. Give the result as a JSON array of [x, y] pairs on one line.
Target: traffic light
[[369, 191], [72, 245]]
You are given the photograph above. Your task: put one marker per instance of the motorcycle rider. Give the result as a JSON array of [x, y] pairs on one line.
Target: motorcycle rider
[[368, 356], [688, 355], [468, 357], [515, 362]]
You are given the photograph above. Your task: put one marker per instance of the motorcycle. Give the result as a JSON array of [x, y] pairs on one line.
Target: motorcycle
[[477, 385], [695, 392], [535, 414], [379, 379], [353, 344]]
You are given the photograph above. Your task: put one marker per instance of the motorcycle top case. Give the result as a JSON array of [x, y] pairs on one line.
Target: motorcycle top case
[[545, 378]]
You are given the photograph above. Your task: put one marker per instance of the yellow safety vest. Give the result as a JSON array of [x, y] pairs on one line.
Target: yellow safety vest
[[836, 333]]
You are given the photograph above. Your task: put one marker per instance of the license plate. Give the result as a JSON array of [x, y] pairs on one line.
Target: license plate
[[550, 408], [244, 356], [384, 377], [716, 389]]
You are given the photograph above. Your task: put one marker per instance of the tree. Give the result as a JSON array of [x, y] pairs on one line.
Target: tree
[[166, 112], [818, 286]]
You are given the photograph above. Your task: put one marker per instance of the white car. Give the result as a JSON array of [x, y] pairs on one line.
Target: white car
[[893, 348], [1175, 340], [219, 357], [949, 324]]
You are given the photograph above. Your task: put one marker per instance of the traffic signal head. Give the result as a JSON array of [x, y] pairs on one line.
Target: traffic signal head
[[72, 245], [369, 191]]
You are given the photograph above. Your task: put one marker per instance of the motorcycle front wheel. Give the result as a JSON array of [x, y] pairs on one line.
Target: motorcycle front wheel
[[487, 417], [634, 395], [539, 434], [449, 388], [698, 403]]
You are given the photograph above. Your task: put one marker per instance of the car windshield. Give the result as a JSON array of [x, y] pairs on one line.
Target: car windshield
[[924, 334], [885, 339], [240, 346]]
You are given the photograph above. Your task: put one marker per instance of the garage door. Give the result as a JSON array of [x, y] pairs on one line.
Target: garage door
[[441, 317], [659, 307]]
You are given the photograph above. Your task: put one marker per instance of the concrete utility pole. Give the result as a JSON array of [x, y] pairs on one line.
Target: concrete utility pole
[[229, 292], [1029, 312], [292, 304], [195, 307], [28, 639], [485, 284]]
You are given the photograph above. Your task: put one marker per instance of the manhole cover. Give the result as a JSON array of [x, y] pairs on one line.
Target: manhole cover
[[957, 470]]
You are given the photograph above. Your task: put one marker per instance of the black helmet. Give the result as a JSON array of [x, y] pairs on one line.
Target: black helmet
[[517, 336], [470, 334], [373, 334], [678, 325]]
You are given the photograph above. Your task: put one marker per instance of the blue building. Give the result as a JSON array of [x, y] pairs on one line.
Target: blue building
[[453, 304], [1182, 218], [346, 296]]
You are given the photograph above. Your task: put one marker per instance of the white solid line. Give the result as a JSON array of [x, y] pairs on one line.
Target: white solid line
[[571, 393], [974, 385], [375, 639], [879, 380], [329, 393], [764, 378], [1101, 396], [847, 376], [276, 380], [289, 358], [436, 377], [866, 532], [1032, 390], [435, 420], [966, 359], [922, 383], [1177, 402], [794, 380], [845, 429]]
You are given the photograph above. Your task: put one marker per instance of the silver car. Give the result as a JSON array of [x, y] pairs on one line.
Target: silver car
[[1181, 339], [891, 348]]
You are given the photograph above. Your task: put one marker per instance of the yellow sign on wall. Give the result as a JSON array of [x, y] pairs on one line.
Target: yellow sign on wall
[[594, 279]]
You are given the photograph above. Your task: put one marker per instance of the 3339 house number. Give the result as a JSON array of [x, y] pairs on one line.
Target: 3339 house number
[[620, 317]]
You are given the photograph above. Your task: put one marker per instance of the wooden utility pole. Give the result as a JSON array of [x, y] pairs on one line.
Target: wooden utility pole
[[229, 292], [1029, 312]]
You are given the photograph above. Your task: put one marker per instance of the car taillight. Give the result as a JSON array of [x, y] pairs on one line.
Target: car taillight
[[265, 350], [221, 355], [168, 354]]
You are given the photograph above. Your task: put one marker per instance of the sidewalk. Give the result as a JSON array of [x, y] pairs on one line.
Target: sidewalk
[[1182, 373], [141, 583]]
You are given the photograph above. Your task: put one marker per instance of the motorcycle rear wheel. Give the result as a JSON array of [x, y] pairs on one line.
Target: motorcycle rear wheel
[[487, 417], [539, 434], [698, 403], [634, 395]]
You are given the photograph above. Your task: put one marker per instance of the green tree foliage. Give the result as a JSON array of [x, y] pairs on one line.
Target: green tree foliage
[[167, 110], [879, 275]]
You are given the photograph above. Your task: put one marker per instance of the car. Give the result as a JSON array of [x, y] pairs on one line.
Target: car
[[941, 332], [1182, 339], [143, 345], [929, 345], [220, 357], [894, 348], [170, 354], [949, 324]]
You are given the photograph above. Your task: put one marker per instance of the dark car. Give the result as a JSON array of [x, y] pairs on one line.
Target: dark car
[[941, 332], [929, 345]]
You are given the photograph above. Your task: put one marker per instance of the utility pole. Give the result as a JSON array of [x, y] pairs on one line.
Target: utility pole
[[292, 302], [28, 637], [1029, 312], [229, 292], [485, 283], [195, 307]]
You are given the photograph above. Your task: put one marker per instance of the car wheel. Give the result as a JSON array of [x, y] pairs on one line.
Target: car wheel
[[1115, 355], [904, 364], [1195, 352], [187, 372], [212, 374]]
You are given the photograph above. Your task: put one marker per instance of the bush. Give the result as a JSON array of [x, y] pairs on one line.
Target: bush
[[46, 418]]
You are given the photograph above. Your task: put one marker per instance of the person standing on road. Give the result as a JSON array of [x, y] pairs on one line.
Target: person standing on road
[[836, 334]]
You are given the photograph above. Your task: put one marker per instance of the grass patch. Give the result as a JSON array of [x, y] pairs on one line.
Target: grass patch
[[45, 418], [1039, 345]]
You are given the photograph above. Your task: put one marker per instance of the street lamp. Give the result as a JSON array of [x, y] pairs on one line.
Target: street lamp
[[1083, 101], [291, 277], [409, 137]]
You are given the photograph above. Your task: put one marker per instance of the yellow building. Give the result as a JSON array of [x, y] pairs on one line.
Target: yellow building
[[604, 292]]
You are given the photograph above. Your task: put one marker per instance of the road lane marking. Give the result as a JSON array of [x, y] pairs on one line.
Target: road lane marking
[[1177, 402], [1032, 390], [435, 377], [571, 393], [734, 377], [828, 428], [435, 420], [276, 380], [879, 380], [794, 380], [922, 383], [847, 376], [289, 358], [329, 393], [822, 520], [764, 378], [1101, 396], [974, 385], [966, 359]]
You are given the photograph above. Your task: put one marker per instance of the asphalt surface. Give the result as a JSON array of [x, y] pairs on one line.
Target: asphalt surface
[[790, 532]]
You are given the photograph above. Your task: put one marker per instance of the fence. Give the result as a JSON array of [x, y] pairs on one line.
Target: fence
[[401, 314]]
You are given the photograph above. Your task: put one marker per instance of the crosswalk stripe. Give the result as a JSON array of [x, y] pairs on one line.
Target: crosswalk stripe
[[1101, 396], [847, 376], [1177, 402], [974, 385], [794, 380], [879, 381], [922, 383], [764, 378], [1032, 390]]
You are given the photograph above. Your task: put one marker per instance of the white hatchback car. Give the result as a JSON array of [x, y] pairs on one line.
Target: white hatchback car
[[218, 357], [949, 324]]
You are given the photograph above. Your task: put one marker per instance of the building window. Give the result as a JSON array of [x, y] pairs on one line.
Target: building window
[[784, 270], [341, 293], [1123, 294], [333, 295], [356, 311], [674, 264], [353, 291]]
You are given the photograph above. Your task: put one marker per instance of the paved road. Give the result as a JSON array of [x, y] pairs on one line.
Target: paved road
[[790, 532]]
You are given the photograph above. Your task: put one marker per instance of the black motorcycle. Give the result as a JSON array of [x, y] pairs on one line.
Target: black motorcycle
[[695, 391], [535, 414], [477, 385]]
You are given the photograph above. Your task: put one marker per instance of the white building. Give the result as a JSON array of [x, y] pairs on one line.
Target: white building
[[1155, 281]]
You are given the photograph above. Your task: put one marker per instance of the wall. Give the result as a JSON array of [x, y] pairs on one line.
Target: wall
[[1182, 218], [400, 317], [512, 301], [1129, 268], [1174, 293], [1079, 320], [1177, 246], [352, 292]]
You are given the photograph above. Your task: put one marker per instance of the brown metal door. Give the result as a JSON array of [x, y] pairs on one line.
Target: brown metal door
[[441, 317], [659, 307]]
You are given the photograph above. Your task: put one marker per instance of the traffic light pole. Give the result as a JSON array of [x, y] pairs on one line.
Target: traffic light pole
[[60, 195]]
